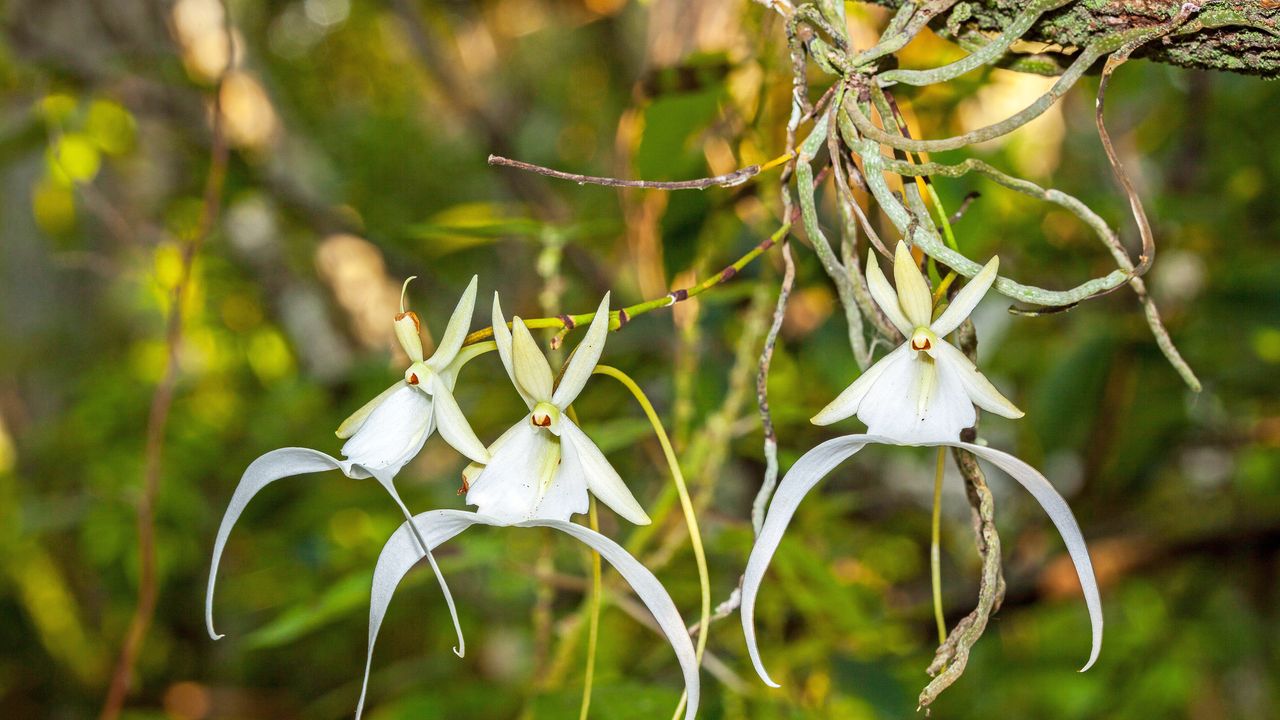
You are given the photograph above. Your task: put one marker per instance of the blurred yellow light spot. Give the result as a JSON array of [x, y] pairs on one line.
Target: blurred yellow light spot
[[354, 270], [200, 26], [241, 313], [48, 601], [73, 158], [214, 405], [817, 687], [8, 455], [187, 701], [1035, 148], [54, 207], [808, 309], [111, 127], [57, 107], [168, 265], [604, 7], [516, 18], [246, 108], [1266, 344], [206, 351], [350, 527], [1246, 183], [269, 355], [148, 360]]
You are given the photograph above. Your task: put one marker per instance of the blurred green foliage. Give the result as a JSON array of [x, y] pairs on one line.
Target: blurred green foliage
[[356, 163]]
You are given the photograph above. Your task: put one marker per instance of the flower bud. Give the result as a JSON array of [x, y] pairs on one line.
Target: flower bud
[[409, 327]]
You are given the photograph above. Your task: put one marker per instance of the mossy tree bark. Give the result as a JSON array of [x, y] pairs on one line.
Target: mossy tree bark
[[1240, 36]]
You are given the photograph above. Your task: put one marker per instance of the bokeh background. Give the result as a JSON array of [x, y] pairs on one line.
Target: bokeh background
[[358, 134]]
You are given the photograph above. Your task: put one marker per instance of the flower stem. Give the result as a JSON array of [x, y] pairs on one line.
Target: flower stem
[[593, 626], [618, 318], [935, 548], [686, 504]]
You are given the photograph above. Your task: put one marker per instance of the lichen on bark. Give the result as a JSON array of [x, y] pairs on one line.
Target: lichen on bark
[[1240, 36]]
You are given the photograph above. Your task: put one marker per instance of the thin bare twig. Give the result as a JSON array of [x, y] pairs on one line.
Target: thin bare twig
[[162, 401], [733, 179]]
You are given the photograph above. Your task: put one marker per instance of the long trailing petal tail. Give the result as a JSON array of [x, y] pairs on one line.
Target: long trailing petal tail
[[407, 545], [1060, 513], [461, 648], [650, 591], [277, 464], [799, 480], [403, 551]]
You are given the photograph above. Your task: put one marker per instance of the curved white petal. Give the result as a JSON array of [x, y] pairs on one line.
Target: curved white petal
[[980, 390], [532, 371], [287, 462], [584, 358], [1060, 513], [885, 296], [600, 477], [651, 593], [393, 433], [456, 331], [967, 299], [402, 552], [473, 469], [525, 478], [847, 402], [502, 338], [799, 480], [913, 403], [453, 425], [913, 291], [357, 419]]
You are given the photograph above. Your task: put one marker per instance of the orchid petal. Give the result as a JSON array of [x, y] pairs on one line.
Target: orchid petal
[[892, 406], [913, 291], [584, 358], [799, 480], [456, 331], [353, 423], [848, 401], [525, 479], [966, 300], [453, 425], [402, 551], [601, 479], [473, 469], [394, 431], [651, 593], [502, 338], [287, 462], [885, 296], [979, 389], [1060, 513], [532, 371]]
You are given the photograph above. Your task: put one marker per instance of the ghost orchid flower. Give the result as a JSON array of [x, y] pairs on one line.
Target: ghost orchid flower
[[382, 436], [544, 465], [921, 394], [539, 475]]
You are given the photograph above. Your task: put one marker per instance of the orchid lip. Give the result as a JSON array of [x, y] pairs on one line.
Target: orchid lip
[[547, 416]]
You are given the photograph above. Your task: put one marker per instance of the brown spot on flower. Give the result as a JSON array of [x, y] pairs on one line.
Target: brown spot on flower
[[542, 420], [465, 486], [921, 343], [413, 378], [417, 324]]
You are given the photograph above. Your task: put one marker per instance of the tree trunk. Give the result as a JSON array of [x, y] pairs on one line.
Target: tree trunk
[[1235, 35]]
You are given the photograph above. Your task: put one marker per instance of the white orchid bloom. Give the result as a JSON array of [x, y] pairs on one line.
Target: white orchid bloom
[[382, 436], [539, 475], [544, 465], [923, 394]]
